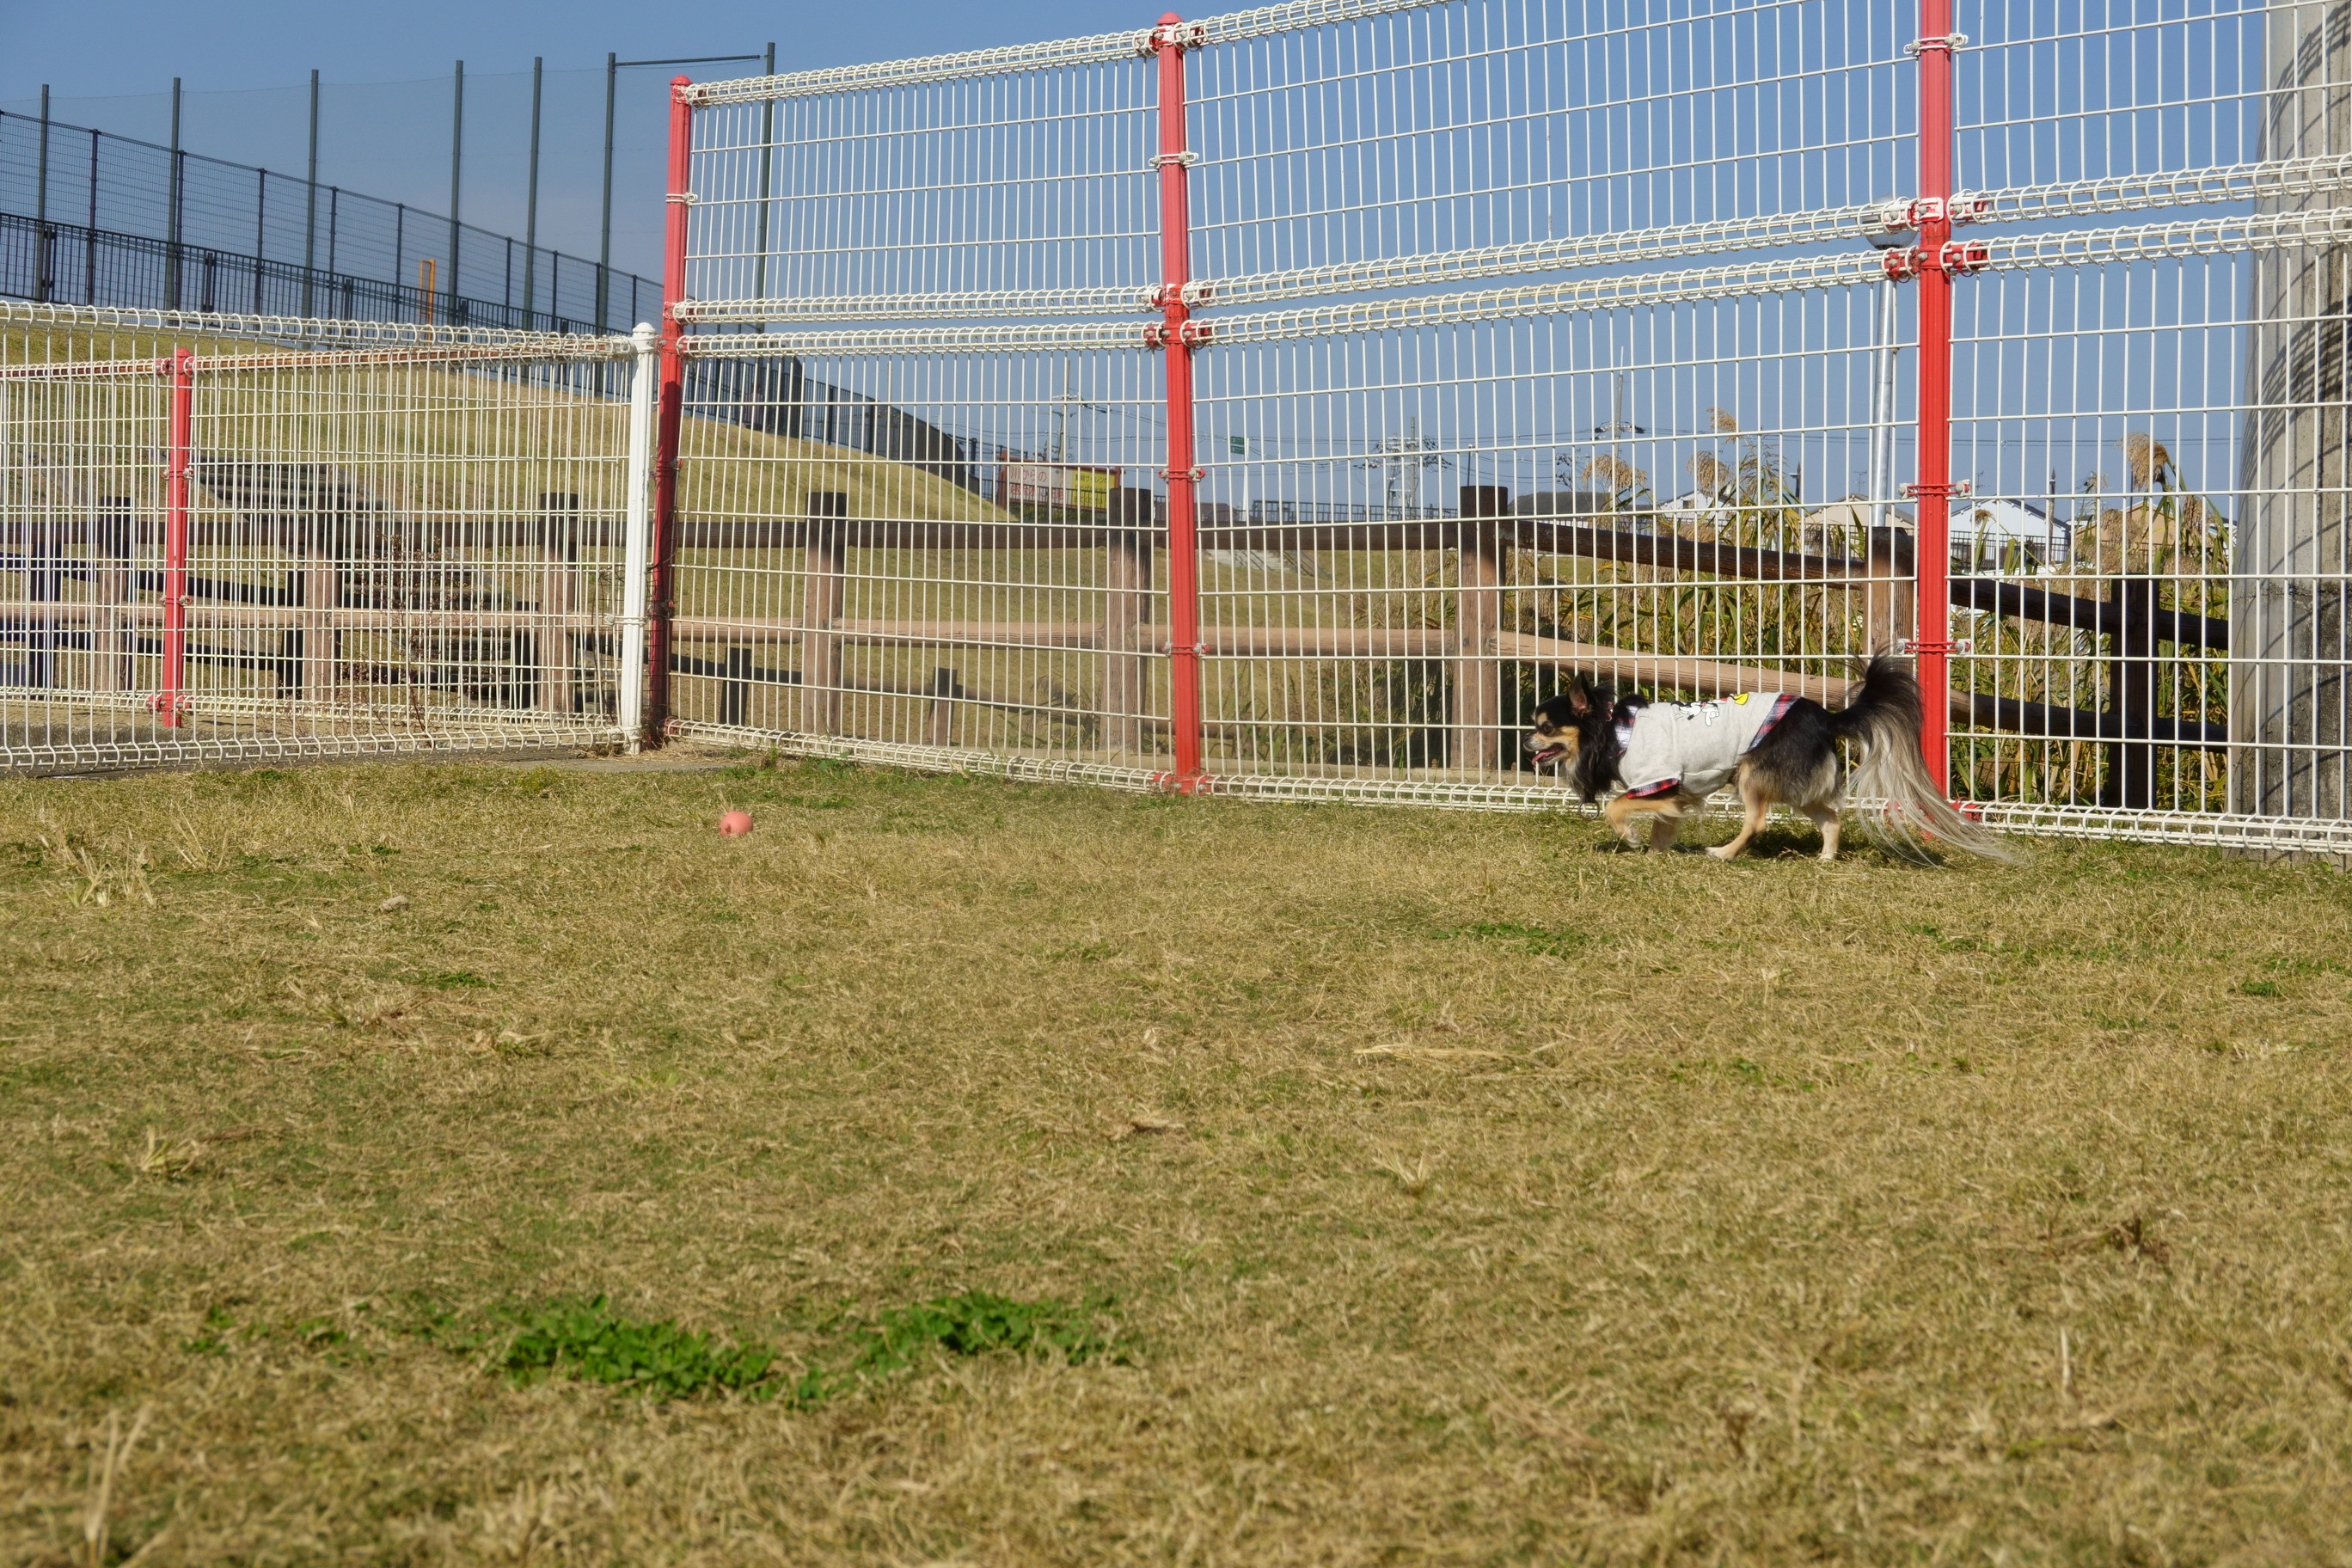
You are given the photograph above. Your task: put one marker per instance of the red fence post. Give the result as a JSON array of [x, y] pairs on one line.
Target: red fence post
[[1933, 491], [170, 702], [1176, 336], [661, 592]]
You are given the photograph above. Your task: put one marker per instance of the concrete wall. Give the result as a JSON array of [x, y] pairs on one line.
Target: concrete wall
[[2288, 697]]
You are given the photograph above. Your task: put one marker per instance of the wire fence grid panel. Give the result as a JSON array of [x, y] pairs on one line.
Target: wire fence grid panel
[[1412, 536], [213, 547], [1411, 515], [1031, 185], [851, 577], [1340, 153]]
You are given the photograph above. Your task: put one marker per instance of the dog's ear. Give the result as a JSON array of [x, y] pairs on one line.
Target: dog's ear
[[1580, 697]]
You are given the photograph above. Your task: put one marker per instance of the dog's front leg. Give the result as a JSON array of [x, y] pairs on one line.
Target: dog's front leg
[[1665, 827], [1759, 802]]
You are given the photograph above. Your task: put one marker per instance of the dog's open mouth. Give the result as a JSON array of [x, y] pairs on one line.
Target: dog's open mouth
[[1551, 753]]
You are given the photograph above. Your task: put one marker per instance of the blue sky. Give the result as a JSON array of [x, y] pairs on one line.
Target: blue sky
[[244, 63]]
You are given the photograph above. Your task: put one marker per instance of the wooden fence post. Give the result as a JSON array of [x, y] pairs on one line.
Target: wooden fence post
[[1888, 608], [2131, 694], [735, 688], [947, 690], [1478, 698], [825, 565], [113, 639], [1127, 607], [559, 516]]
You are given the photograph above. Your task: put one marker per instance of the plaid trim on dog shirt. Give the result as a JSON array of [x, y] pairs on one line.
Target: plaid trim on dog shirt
[[1695, 747]]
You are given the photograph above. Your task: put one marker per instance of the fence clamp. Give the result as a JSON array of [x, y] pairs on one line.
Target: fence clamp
[[1959, 258], [1194, 476], [1912, 490], [1948, 43], [1159, 295], [1967, 206], [1182, 35], [683, 199], [1910, 645], [1185, 159], [1893, 218], [1901, 265], [1191, 334]]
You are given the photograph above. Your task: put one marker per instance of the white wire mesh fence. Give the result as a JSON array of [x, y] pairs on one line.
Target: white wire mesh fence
[[1429, 354], [227, 538], [1285, 403], [859, 578]]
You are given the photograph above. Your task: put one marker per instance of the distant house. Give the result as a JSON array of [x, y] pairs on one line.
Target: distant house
[[1995, 535], [1695, 515], [1985, 536], [1841, 529]]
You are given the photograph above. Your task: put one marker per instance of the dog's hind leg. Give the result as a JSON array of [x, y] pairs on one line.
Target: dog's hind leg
[[1759, 800], [1665, 827], [1832, 822]]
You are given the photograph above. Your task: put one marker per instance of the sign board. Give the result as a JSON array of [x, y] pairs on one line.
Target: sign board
[[1070, 486]]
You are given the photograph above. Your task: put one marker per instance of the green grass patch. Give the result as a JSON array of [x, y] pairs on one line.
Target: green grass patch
[[588, 1340], [974, 1322]]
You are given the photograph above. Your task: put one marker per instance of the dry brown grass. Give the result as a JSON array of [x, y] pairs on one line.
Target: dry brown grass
[[1471, 1193]]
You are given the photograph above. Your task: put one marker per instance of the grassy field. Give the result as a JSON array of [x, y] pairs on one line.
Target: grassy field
[[1289, 1185]]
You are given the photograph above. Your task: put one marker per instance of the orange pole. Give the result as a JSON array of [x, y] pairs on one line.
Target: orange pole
[[1933, 558], [1176, 339]]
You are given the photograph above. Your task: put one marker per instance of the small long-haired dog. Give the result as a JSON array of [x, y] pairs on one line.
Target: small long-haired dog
[[1782, 750]]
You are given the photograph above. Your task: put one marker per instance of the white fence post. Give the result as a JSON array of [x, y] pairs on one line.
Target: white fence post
[[636, 534]]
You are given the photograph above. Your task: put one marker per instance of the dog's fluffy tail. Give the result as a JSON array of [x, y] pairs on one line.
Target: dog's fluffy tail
[[1884, 721]]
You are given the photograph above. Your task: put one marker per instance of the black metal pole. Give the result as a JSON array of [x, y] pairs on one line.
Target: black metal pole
[[457, 171], [90, 233], [171, 217], [261, 231], [311, 202], [530, 204], [767, 167], [41, 208], [604, 239]]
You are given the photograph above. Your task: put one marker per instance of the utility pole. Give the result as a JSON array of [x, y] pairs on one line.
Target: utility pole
[[1402, 460], [531, 206], [311, 202], [457, 169], [1066, 405]]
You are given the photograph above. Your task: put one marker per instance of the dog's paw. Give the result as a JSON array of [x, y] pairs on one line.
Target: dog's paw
[[1723, 852]]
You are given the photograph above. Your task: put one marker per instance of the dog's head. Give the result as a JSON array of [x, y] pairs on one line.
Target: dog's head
[[1582, 722]]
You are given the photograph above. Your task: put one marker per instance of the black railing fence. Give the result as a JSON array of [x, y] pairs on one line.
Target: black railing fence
[[90, 217]]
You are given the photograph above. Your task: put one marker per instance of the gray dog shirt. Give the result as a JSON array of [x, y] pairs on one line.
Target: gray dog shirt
[[1694, 748]]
